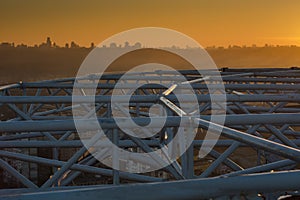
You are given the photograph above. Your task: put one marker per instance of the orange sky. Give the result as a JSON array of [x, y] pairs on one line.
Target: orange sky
[[210, 22]]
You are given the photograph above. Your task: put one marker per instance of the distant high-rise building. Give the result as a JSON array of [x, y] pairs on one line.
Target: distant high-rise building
[[126, 44], [48, 42], [74, 45], [92, 45]]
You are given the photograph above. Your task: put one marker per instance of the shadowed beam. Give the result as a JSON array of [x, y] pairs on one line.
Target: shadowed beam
[[67, 125], [186, 189]]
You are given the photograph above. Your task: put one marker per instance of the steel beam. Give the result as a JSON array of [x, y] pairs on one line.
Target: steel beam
[[186, 189]]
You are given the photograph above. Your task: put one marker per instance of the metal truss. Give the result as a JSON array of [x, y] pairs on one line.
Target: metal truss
[[256, 156]]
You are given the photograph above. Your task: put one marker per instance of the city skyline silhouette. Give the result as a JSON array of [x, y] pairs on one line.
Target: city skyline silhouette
[[48, 60], [48, 43]]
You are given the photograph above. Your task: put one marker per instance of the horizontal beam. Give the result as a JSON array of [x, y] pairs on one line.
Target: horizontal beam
[[157, 86], [109, 123], [186, 189], [121, 143], [151, 98]]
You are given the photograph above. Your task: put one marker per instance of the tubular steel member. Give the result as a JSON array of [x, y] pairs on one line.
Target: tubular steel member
[[247, 186], [261, 133]]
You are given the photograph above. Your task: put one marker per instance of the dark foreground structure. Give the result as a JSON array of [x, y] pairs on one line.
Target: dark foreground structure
[[257, 155]]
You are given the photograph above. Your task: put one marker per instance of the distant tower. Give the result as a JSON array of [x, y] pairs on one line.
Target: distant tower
[[126, 44], [92, 45], [48, 42], [74, 45]]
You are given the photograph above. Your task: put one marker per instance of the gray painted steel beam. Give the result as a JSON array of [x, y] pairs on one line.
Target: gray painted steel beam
[[186, 189], [61, 125], [151, 98]]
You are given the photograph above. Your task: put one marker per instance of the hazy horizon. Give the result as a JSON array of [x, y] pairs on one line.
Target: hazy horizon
[[245, 25]]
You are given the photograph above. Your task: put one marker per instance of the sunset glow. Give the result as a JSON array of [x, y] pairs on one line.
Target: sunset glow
[[218, 22]]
